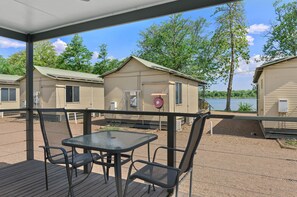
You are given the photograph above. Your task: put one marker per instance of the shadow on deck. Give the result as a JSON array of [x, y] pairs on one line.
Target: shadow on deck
[[27, 179]]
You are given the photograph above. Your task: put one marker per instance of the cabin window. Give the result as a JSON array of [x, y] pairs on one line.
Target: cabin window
[[8, 94], [72, 94], [178, 93]]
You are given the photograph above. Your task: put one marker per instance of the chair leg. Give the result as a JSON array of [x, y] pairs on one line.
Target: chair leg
[[103, 168], [45, 172], [176, 190], [75, 172], [191, 181], [69, 176], [107, 170]]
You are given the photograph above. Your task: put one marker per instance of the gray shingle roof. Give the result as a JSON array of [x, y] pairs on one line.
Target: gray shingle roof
[[69, 75], [156, 67], [9, 79]]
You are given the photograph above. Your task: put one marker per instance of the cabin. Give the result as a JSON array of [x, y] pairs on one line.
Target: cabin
[[277, 91], [140, 85], [9, 91], [57, 88]]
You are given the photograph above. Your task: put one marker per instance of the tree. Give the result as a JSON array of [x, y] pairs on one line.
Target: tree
[[18, 62], [76, 56], [231, 42], [282, 38], [5, 67], [104, 64], [179, 44], [44, 54]]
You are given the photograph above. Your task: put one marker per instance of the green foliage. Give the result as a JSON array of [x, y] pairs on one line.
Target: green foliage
[[179, 44], [104, 64], [230, 41], [245, 107], [76, 56], [235, 94], [5, 67], [282, 39], [44, 54]]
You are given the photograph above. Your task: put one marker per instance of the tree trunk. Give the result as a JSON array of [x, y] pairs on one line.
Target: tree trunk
[[231, 73]]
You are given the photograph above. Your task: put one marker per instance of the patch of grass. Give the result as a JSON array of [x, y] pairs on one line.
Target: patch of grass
[[245, 107], [291, 142]]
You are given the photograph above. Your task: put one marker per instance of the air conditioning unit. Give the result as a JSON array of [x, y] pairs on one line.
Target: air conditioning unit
[[178, 125], [190, 120], [113, 105], [282, 105]]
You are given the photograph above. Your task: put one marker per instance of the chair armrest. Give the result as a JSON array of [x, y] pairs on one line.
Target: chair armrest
[[167, 148], [156, 164], [45, 148]]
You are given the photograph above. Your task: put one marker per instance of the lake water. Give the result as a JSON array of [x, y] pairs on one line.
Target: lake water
[[220, 104]]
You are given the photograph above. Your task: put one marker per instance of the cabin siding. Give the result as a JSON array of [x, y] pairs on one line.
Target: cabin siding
[[280, 83]]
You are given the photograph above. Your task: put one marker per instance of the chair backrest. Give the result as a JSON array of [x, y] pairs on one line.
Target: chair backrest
[[54, 127], [193, 142]]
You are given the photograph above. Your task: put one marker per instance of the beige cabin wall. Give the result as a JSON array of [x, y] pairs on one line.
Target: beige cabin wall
[[136, 77], [53, 93], [280, 82], [11, 104], [189, 95]]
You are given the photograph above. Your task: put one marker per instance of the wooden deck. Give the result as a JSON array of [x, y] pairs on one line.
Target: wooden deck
[[27, 179]]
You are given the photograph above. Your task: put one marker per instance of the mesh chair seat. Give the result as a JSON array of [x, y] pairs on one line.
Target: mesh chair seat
[[79, 159], [161, 176]]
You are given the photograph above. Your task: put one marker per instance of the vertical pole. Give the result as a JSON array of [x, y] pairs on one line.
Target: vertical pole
[[87, 130], [171, 142], [29, 98]]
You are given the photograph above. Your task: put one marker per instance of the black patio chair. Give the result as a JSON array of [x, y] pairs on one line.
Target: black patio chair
[[163, 175], [55, 127]]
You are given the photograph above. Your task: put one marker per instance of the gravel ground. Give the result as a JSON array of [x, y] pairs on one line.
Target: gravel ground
[[235, 161]]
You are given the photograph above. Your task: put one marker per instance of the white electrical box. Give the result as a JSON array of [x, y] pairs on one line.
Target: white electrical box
[[113, 105], [282, 105], [178, 125]]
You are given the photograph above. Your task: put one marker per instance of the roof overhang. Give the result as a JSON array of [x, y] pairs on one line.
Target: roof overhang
[[48, 19], [260, 69]]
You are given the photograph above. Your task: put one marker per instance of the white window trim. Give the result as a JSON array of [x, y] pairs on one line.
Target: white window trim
[[8, 96]]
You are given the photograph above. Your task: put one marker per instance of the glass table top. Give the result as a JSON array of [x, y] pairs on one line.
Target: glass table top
[[111, 141]]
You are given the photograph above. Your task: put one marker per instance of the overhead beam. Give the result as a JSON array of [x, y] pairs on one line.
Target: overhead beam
[[13, 34], [141, 14]]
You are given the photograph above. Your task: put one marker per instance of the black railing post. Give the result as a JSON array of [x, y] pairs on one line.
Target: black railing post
[[171, 142], [29, 99], [87, 126]]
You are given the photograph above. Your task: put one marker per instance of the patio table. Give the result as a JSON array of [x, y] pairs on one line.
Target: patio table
[[113, 142]]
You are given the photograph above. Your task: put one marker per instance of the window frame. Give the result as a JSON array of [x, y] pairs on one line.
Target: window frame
[[8, 94], [73, 100], [178, 93]]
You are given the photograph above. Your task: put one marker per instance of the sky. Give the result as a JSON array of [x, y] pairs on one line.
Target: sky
[[122, 40]]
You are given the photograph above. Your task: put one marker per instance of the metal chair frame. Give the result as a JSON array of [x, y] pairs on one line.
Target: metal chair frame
[[68, 163], [182, 171]]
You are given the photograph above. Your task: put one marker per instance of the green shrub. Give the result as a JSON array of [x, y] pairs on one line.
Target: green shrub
[[245, 107]]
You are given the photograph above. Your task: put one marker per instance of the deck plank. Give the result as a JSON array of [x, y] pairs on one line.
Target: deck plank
[[27, 179]]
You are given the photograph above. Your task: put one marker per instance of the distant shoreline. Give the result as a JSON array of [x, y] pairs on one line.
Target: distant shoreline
[[231, 98]]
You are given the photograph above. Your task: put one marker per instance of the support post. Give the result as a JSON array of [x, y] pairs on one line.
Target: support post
[[87, 130], [171, 142], [29, 98]]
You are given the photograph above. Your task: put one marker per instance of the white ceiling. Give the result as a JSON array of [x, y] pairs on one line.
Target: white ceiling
[[33, 16]]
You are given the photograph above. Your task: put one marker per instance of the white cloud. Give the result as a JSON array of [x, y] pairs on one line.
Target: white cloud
[[9, 43], [249, 68], [250, 40], [258, 28], [95, 56], [60, 46]]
